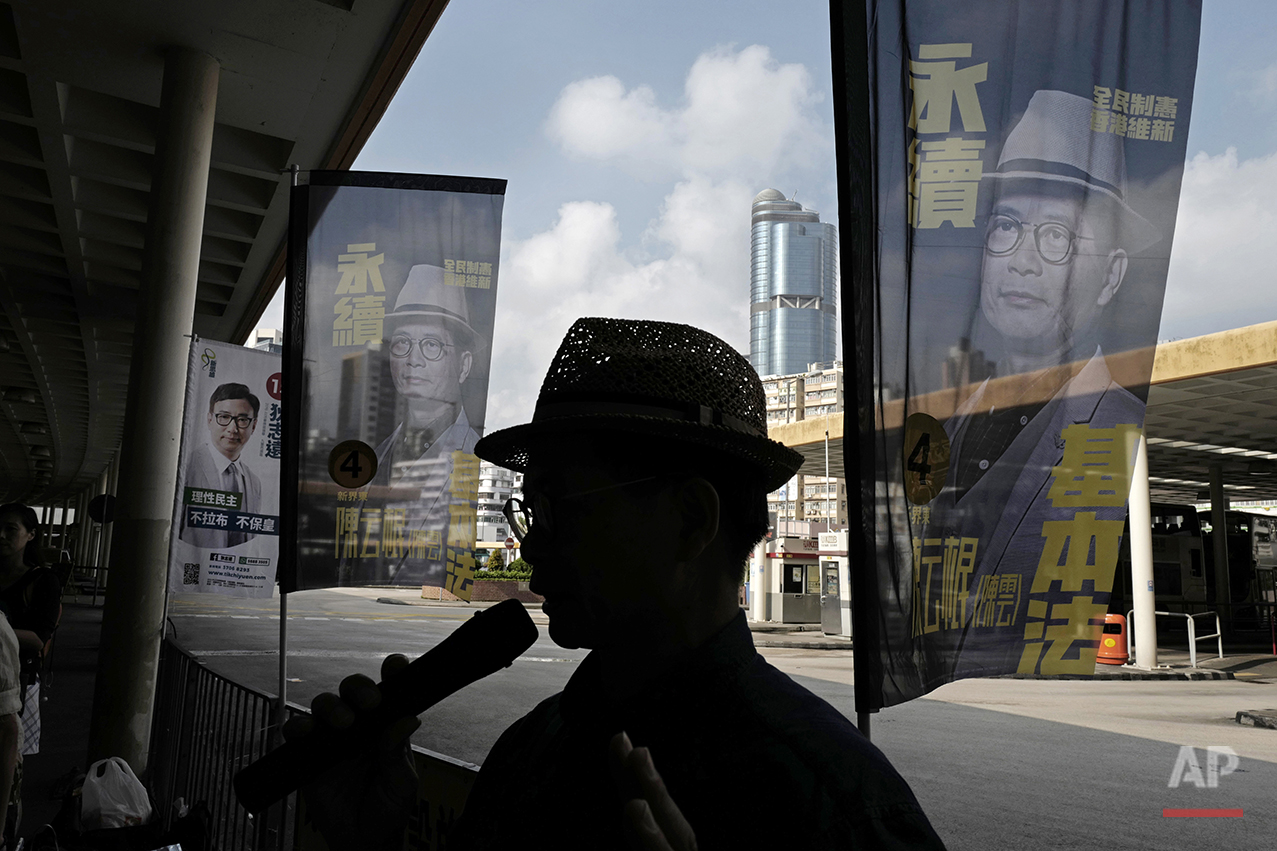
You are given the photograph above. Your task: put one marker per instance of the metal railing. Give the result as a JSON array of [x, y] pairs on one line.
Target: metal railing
[[206, 728], [1193, 637]]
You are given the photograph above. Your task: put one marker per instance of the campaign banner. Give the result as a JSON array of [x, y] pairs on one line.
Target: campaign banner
[[226, 509], [1013, 169], [389, 311]]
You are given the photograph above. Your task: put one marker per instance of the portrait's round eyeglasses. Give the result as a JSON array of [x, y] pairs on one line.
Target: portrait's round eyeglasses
[[241, 421], [431, 347], [1055, 242], [535, 509]]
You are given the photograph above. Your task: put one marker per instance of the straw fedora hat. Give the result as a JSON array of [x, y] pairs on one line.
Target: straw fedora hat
[[425, 296], [1054, 142], [650, 379]]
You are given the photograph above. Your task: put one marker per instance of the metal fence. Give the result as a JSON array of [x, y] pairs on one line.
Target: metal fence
[[206, 729]]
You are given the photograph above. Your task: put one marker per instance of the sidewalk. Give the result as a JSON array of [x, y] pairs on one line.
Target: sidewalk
[[64, 715]]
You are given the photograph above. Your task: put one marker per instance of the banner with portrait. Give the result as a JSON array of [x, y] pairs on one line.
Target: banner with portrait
[[226, 509], [389, 310], [1013, 171]]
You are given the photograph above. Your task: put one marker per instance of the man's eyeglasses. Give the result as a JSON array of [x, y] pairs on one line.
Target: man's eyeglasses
[[431, 347], [241, 421], [1054, 241], [534, 509]]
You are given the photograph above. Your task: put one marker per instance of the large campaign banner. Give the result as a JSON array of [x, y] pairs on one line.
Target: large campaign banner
[[226, 509], [1014, 167], [388, 340]]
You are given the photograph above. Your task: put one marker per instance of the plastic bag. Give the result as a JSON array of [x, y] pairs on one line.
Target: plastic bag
[[112, 796]]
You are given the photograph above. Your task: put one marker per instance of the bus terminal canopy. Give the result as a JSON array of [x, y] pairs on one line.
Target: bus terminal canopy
[[1212, 403], [301, 81]]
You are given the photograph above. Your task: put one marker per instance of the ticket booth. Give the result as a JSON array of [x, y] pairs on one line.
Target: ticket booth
[[835, 587], [795, 586]]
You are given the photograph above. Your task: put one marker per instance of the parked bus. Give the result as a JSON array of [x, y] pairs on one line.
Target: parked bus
[[1251, 561], [1180, 578]]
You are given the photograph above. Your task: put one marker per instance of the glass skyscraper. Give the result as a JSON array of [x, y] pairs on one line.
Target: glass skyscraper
[[793, 318]]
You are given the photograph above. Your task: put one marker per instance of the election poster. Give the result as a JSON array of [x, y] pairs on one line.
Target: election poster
[[226, 509], [388, 340], [1013, 171]]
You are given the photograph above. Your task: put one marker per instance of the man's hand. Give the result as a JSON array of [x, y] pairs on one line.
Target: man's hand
[[652, 821], [362, 802]]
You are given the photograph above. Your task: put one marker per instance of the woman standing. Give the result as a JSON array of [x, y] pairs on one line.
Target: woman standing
[[31, 597]]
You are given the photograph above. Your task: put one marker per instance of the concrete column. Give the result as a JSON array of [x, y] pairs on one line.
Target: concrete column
[[112, 482], [132, 620], [62, 528], [1142, 595], [95, 548], [83, 531], [1219, 542], [757, 583]]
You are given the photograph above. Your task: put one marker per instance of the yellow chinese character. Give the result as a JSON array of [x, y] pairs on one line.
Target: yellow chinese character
[[485, 282], [947, 202], [1101, 97], [358, 268], [1138, 128], [485, 269], [1121, 100], [460, 576], [1008, 599], [343, 325], [1163, 131], [1083, 618], [1081, 536], [393, 541], [450, 265], [372, 540], [1096, 467], [465, 476], [926, 608], [347, 544], [1164, 107], [367, 318], [1117, 124], [1141, 104], [1100, 120], [936, 85]]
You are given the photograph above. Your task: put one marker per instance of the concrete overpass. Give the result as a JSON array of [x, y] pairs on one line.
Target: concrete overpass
[[1212, 405], [143, 198]]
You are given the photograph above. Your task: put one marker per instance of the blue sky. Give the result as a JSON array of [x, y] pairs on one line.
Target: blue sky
[[634, 137]]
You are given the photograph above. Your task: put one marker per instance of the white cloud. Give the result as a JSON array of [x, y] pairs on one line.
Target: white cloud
[[598, 119], [1221, 272], [696, 270], [741, 111], [745, 122]]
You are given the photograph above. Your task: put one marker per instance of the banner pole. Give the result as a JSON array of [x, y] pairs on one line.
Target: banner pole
[[854, 148], [281, 710]]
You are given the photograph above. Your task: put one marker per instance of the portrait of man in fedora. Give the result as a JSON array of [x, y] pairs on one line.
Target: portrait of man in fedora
[[430, 343], [648, 441], [1057, 248]]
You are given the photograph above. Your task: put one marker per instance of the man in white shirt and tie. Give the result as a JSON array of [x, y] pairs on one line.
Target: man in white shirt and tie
[[216, 465]]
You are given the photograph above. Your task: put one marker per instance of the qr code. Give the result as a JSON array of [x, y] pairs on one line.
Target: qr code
[[190, 574]]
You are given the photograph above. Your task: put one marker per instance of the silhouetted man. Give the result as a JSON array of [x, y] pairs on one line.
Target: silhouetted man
[[648, 443]]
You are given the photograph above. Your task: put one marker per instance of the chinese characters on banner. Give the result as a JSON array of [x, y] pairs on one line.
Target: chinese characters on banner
[[392, 295], [1025, 186], [226, 514]]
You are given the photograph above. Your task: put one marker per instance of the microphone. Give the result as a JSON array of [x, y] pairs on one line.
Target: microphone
[[488, 642]]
